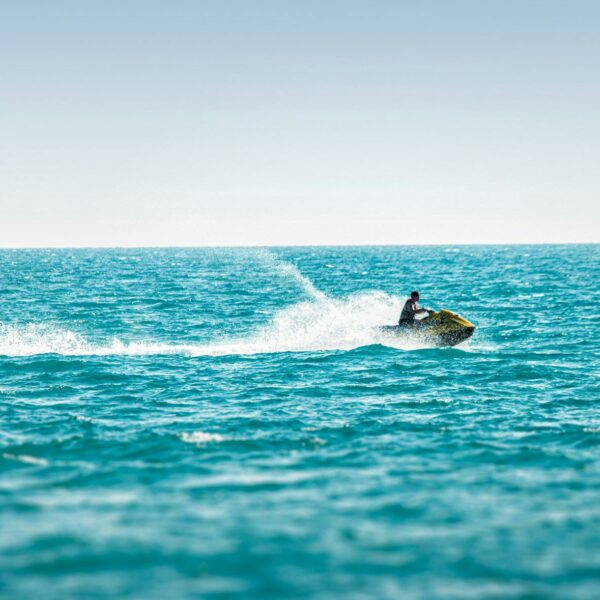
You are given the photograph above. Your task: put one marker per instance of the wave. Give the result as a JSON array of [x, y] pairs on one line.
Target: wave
[[200, 437], [25, 458]]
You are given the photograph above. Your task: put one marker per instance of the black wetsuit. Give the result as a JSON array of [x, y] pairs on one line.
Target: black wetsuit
[[407, 317]]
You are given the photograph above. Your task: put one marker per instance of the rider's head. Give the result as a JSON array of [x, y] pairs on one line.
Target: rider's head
[[414, 295]]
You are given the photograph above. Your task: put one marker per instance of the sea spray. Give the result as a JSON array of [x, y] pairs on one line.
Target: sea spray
[[319, 324], [288, 269], [41, 338]]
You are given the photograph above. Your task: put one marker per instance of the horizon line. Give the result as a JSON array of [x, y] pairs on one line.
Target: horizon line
[[308, 245]]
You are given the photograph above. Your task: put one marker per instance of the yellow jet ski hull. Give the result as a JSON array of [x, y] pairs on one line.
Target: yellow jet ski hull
[[443, 328]]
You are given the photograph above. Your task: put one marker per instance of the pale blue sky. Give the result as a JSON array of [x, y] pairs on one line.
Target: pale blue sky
[[207, 123]]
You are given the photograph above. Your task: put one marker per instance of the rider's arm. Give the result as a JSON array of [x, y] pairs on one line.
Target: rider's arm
[[417, 311]]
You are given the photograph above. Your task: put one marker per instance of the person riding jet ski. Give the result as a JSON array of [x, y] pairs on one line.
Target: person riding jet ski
[[443, 328], [410, 309]]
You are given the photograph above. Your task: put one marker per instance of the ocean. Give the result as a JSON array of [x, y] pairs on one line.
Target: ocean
[[229, 423]]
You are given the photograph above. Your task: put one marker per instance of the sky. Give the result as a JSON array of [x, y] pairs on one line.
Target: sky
[[201, 123]]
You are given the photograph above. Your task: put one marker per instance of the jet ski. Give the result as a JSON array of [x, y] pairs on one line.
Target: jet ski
[[443, 328]]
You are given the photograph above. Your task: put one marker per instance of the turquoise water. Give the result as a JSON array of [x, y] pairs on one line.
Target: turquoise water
[[227, 423]]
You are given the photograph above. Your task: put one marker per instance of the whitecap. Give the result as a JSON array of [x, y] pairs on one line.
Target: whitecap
[[25, 458], [200, 437]]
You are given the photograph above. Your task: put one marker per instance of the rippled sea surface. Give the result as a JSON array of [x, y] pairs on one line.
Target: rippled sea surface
[[227, 423]]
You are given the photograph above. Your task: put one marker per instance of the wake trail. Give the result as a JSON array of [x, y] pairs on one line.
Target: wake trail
[[321, 323]]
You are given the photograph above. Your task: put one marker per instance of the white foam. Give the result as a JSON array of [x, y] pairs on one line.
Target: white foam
[[321, 323], [318, 323], [39, 338], [477, 346], [25, 458], [32, 339], [200, 437]]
